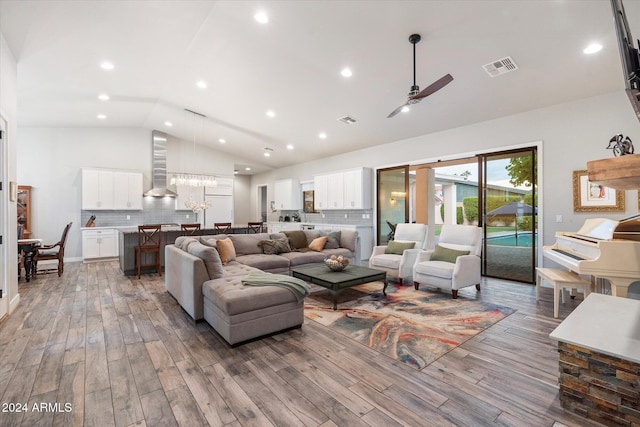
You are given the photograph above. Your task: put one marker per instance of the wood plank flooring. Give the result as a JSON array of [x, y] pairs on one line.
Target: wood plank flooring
[[101, 349]]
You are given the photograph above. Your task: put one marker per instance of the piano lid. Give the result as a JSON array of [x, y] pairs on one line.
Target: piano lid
[[598, 228], [629, 225]]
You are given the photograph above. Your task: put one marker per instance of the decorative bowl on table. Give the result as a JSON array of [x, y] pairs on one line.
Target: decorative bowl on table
[[336, 263]]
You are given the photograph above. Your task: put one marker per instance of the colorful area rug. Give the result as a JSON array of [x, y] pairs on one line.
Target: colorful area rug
[[413, 327]]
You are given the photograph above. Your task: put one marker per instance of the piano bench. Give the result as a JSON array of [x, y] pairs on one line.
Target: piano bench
[[560, 279]]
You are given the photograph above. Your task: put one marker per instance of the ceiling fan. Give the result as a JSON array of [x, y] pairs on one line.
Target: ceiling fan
[[415, 95]]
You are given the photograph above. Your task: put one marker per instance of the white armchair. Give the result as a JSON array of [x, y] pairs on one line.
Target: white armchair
[[400, 265], [455, 262]]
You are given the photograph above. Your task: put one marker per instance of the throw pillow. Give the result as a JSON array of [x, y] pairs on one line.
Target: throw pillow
[[397, 247], [297, 239], [445, 254], [275, 246], [318, 244], [333, 239], [226, 250], [211, 259]]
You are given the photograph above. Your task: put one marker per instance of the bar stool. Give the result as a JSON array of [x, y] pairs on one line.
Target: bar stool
[[149, 242], [222, 228], [190, 229], [254, 227]]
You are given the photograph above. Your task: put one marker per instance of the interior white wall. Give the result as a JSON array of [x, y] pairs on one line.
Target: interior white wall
[[242, 213], [571, 134], [9, 111], [50, 159]]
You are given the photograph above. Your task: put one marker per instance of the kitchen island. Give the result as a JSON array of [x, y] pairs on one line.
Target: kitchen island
[[128, 240], [599, 352]]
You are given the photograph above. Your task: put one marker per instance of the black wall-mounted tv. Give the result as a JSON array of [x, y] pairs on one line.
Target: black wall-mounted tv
[[629, 55]]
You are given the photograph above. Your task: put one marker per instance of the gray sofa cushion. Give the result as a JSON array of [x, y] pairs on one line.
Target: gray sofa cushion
[[312, 235], [337, 252], [348, 239], [232, 297], [264, 262], [333, 241], [183, 242], [210, 240], [247, 244], [210, 257], [299, 258]]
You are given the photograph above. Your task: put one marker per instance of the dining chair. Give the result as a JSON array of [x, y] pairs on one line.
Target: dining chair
[[190, 229], [254, 227], [222, 228], [149, 242], [53, 252]]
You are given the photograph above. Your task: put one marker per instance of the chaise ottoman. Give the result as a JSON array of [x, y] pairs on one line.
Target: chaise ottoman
[[240, 313]]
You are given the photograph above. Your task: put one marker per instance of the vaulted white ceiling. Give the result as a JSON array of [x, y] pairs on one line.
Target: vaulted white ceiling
[[292, 65]]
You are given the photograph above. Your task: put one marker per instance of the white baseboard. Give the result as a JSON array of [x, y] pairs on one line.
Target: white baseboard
[[13, 304]]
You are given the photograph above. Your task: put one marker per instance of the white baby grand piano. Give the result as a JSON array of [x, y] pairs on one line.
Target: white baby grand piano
[[602, 248]]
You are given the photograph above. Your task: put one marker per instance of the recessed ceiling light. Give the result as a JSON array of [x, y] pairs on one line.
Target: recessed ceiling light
[[261, 17], [106, 65], [201, 84], [405, 109], [289, 146], [222, 140], [267, 152], [592, 48], [235, 172], [169, 124], [101, 116], [247, 169], [103, 97], [346, 72], [271, 113], [322, 135]]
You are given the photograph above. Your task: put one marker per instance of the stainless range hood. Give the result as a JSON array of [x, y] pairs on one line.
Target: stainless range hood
[[159, 166]]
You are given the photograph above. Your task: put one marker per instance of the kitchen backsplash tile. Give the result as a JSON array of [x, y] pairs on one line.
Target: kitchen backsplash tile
[[155, 211]]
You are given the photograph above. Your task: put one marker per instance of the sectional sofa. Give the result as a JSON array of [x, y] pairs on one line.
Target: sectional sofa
[[209, 289]]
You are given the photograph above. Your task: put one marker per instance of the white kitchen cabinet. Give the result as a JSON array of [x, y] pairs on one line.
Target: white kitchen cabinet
[[343, 190], [335, 191], [357, 188], [99, 243], [320, 192], [287, 194], [97, 189], [127, 188], [106, 189]]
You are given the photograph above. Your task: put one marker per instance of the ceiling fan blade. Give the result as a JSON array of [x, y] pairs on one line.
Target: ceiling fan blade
[[397, 110], [434, 87]]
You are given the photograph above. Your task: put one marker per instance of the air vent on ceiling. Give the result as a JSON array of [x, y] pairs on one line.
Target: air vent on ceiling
[[500, 67], [347, 120]]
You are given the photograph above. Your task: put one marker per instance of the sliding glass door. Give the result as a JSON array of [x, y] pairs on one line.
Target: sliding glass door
[[508, 203], [393, 204]]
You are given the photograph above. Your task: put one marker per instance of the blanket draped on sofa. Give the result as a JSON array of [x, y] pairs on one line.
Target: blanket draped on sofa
[[300, 288]]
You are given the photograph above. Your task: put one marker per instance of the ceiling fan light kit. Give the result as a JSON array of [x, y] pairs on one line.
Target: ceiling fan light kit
[[415, 96]]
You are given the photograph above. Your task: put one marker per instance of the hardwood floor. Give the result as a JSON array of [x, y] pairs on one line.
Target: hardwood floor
[[97, 348]]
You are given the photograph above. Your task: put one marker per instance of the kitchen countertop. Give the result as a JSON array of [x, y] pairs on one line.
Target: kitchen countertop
[[320, 224], [606, 324]]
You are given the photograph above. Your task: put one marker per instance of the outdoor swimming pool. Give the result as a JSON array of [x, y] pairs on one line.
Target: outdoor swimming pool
[[524, 239]]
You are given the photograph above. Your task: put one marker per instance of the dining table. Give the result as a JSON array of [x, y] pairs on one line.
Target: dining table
[[28, 247]]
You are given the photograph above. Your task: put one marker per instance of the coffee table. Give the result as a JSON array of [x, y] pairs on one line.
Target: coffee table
[[336, 281]]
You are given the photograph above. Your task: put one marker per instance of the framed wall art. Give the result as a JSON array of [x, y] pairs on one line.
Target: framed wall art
[[591, 197]]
